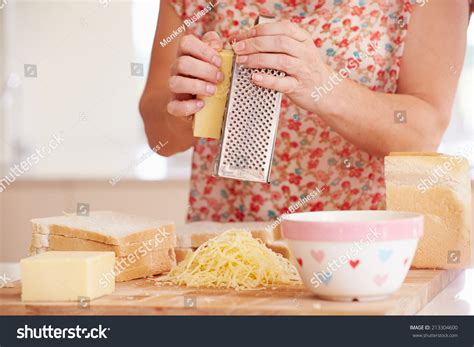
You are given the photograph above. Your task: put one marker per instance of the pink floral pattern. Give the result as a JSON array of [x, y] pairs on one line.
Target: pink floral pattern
[[308, 154]]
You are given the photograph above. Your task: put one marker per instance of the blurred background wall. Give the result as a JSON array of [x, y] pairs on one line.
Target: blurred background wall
[[79, 67]]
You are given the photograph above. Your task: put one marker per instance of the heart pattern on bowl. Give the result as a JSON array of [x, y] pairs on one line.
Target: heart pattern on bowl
[[354, 263], [326, 278], [299, 261], [385, 254], [382, 254], [380, 279], [318, 255]]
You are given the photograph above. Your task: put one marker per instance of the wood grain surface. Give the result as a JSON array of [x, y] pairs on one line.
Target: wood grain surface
[[143, 297]]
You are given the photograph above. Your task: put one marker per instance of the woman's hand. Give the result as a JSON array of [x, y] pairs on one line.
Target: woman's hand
[[194, 72], [286, 47]]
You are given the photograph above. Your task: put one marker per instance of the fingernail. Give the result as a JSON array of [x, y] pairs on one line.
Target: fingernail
[[216, 61], [220, 76], [200, 104], [242, 59], [239, 46], [257, 77], [215, 45], [210, 89]]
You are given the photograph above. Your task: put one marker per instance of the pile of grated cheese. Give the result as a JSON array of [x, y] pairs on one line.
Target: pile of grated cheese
[[233, 259]]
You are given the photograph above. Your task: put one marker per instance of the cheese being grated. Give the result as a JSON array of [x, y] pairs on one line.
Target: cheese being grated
[[233, 259]]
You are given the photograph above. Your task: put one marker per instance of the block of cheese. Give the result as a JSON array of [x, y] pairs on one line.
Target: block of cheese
[[193, 235], [66, 276], [208, 121], [438, 186]]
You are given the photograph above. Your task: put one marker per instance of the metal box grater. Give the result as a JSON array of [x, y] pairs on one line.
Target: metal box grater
[[250, 126]]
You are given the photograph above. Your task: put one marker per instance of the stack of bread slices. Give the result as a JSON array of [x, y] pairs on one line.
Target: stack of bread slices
[[143, 246]]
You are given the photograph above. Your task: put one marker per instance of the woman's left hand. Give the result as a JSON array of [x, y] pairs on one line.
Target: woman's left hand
[[286, 47]]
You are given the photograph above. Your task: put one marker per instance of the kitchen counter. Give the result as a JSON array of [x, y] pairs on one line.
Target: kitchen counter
[[456, 299]]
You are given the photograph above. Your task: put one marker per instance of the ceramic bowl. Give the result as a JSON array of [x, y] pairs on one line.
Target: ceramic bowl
[[353, 255]]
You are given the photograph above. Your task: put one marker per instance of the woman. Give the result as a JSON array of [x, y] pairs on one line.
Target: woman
[[363, 78]]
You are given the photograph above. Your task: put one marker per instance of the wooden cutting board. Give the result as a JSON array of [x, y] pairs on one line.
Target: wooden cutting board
[[142, 297]]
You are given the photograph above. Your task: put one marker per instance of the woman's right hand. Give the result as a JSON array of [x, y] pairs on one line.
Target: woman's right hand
[[196, 71]]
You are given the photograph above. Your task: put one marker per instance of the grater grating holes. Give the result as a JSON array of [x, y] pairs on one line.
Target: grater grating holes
[[250, 122]]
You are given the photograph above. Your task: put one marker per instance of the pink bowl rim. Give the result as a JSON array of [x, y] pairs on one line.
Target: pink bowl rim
[[385, 226]]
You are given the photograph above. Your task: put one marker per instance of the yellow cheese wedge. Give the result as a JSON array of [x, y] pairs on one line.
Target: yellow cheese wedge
[[66, 276], [208, 121]]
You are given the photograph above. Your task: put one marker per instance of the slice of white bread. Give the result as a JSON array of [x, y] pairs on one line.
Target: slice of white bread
[[36, 250], [40, 240], [65, 243], [182, 253], [193, 235], [152, 263], [280, 247], [277, 233], [108, 227], [438, 186]]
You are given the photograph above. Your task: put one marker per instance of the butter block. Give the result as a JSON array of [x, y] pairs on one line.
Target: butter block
[[208, 121], [66, 276], [439, 187]]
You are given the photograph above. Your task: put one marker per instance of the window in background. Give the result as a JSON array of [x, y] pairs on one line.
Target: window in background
[[80, 68], [459, 138], [67, 66]]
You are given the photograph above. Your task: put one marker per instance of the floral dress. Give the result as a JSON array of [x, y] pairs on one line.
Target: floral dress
[[310, 159]]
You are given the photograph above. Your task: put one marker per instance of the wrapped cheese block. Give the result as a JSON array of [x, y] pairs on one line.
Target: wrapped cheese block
[[208, 121], [439, 187]]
